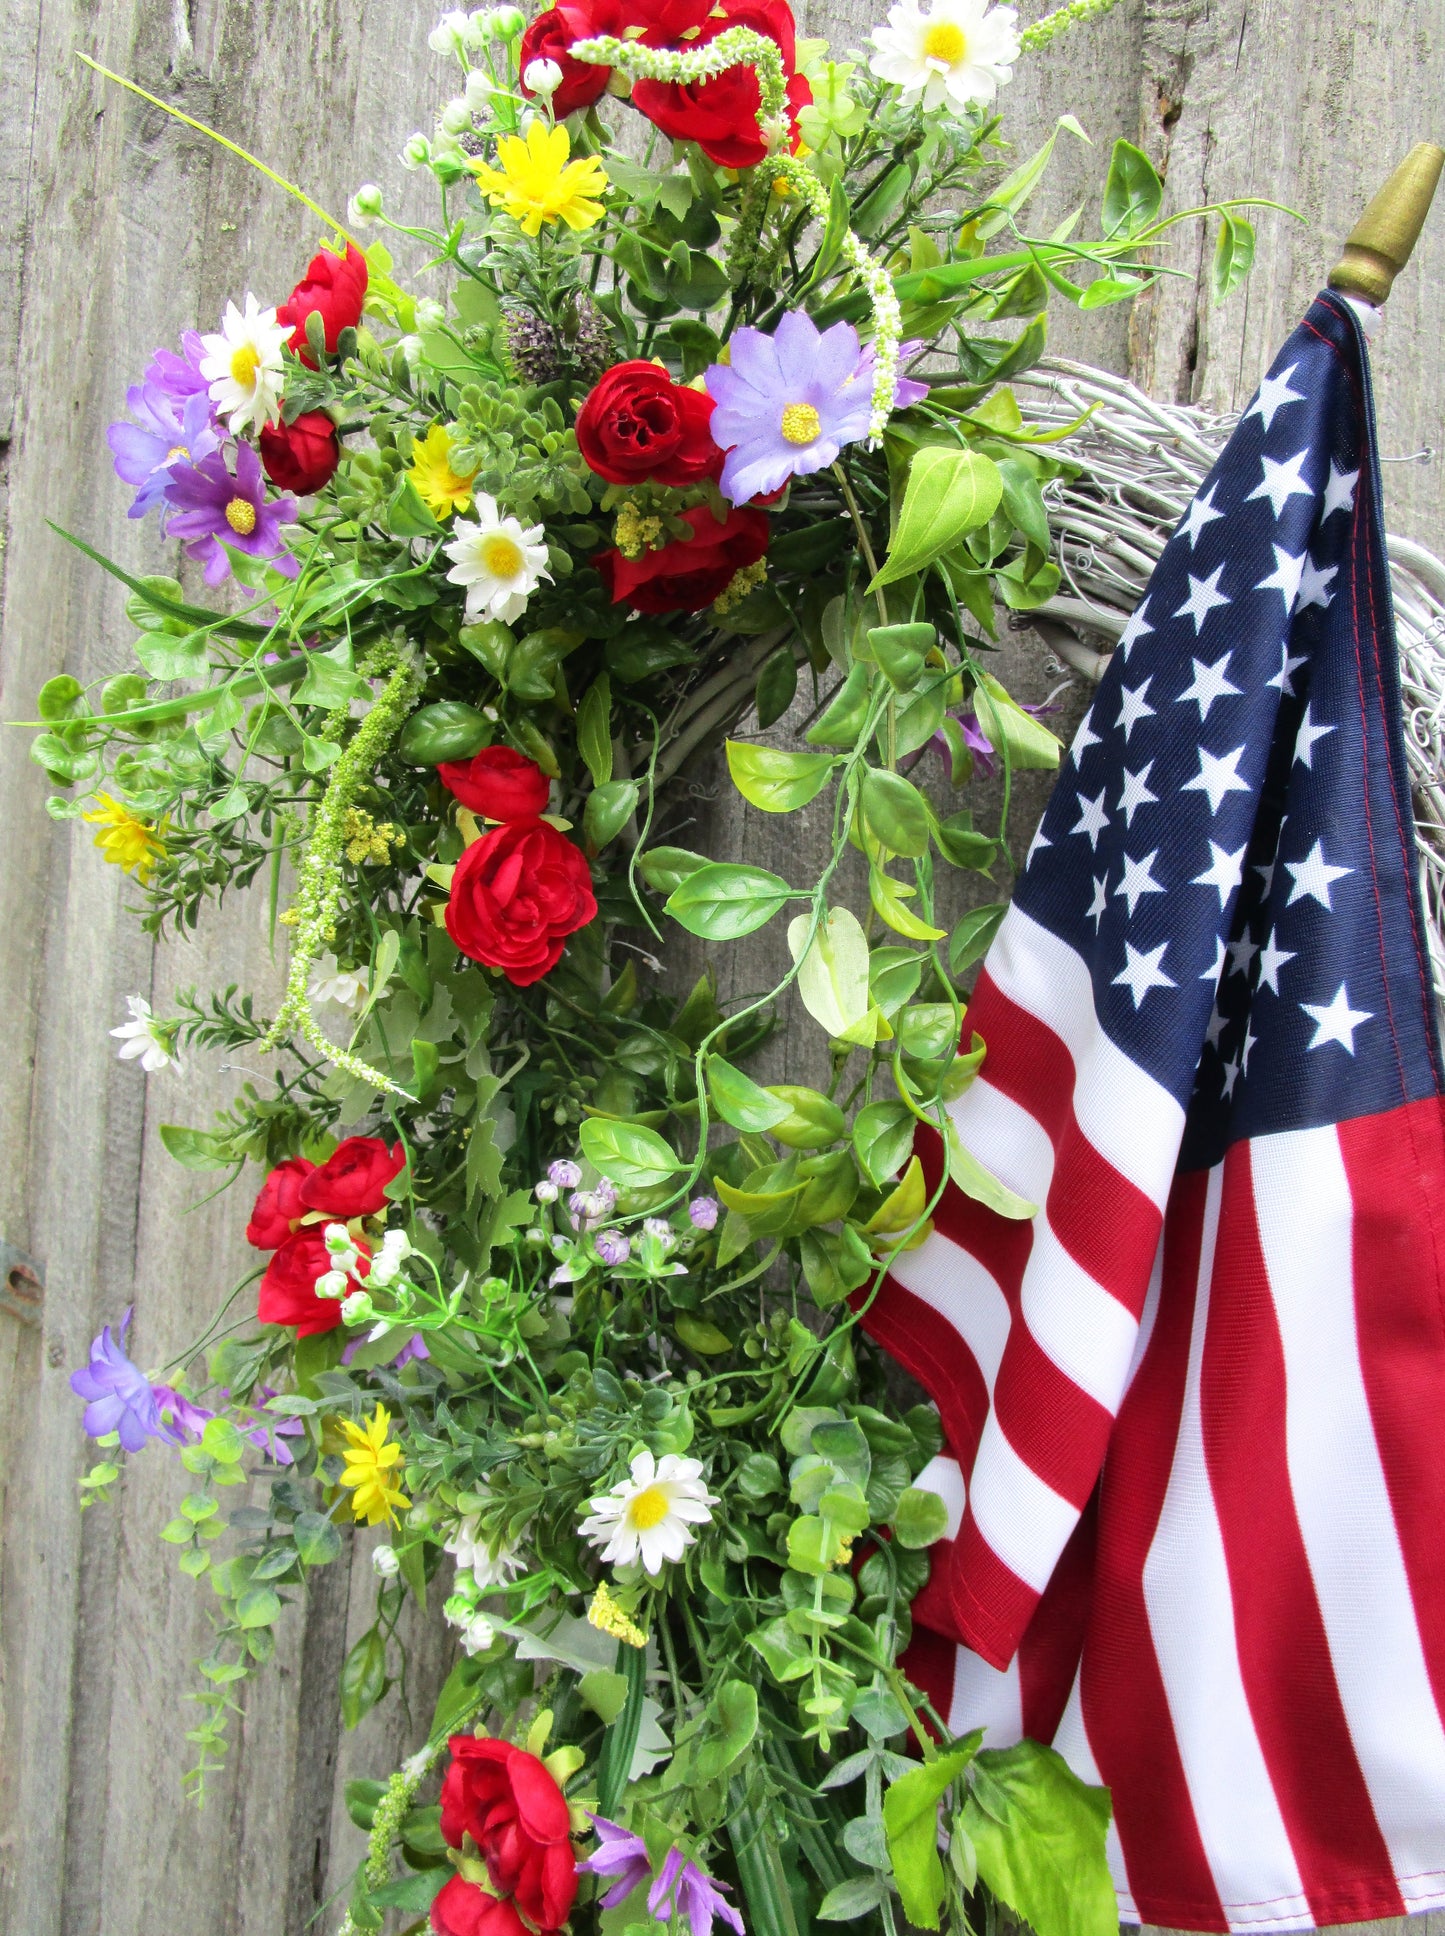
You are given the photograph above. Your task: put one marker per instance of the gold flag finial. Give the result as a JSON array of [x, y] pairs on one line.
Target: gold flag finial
[[1379, 244]]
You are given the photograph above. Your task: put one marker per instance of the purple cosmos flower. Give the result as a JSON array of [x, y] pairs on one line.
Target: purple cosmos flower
[[622, 1856], [694, 1894], [702, 1212], [786, 403], [612, 1247], [977, 741], [165, 433], [118, 1394], [211, 505], [415, 1347], [180, 376]]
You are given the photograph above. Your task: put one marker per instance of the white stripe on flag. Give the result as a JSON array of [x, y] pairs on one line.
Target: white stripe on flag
[[1024, 1520], [1131, 1120], [1071, 1739], [1191, 1620], [985, 1698], [1014, 1144], [1305, 1214], [1074, 1321], [952, 1282]]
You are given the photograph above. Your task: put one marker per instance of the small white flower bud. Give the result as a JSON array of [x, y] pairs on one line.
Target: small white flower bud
[[479, 90], [417, 152], [430, 314], [455, 116], [508, 22], [384, 1271], [544, 1191], [331, 1283], [449, 34], [364, 207], [478, 1634], [542, 77], [384, 1562], [357, 1308]]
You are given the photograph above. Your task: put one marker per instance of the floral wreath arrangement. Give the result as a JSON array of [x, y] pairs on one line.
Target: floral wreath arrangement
[[550, 1288]]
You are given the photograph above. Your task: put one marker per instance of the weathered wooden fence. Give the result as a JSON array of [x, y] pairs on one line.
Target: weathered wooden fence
[[118, 228]]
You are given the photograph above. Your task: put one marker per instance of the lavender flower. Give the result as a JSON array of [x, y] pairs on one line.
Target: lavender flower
[[165, 433], [612, 1247], [212, 505], [620, 1855], [702, 1213], [694, 1894], [119, 1395], [179, 377]]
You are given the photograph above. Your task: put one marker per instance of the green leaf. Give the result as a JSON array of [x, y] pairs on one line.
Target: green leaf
[[221, 1441], [594, 730], [853, 1900], [619, 1743], [361, 1797], [1133, 194], [973, 934], [732, 1723], [664, 869], [1024, 502], [722, 900], [1233, 255], [448, 730], [363, 1677], [982, 1185], [458, 1699], [739, 1100], [893, 977], [949, 492], [166, 657], [910, 1821], [407, 515], [330, 681], [1014, 190], [609, 808], [61, 698], [920, 1518], [774, 781], [883, 1139], [833, 973], [318, 1540], [961, 846], [1010, 729], [1038, 1833], [700, 1336], [196, 1149], [417, 1891], [258, 1606], [812, 1121], [899, 652], [604, 1692], [834, 1263], [785, 1654], [633, 1156], [777, 683], [844, 716], [1104, 290], [895, 812]]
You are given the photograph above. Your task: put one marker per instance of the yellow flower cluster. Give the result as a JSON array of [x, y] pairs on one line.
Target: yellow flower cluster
[[125, 840], [738, 586], [367, 839], [633, 534], [604, 1613], [370, 1456]]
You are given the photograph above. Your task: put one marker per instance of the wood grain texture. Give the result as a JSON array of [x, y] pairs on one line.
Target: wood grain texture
[[119, 229]]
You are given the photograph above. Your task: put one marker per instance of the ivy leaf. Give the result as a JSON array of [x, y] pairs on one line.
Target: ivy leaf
[[733, 1721], [739, 1100], [883, 1138], [777, 683], [633, 1156], [972, 936], [1010, 729], [722, 900], [1038, 1832], [833, 974], [1133, 193], [910, 1821], [609, 808], [664, 869], [920, 1518], [895, 812], [888, 897], [774, 781], [1233, 258], [949, 493], [196, 1149], [363, 1677]]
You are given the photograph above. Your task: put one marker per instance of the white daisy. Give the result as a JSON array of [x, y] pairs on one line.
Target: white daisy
[[959, 52], [243, 365], [650, 1515], [347, 987], [474, 1556], [498, 560], [145, 1037]]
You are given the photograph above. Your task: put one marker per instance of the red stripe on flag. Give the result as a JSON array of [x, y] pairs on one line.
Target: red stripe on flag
[[928, 1661], [1126, 1709], [1396, 1167], [1057, 1430], [930, 1350], [1108, 1227], [1284, 1655], [991, 1604], [1049, 1651]]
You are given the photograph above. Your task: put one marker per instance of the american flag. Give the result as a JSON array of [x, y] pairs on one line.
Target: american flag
[[1195, 1408]]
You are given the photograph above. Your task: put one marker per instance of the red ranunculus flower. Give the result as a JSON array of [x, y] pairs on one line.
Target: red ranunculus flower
[[637, 423], [687, 574], [352, 1181], [279, 1204], [720, 115], [302, 455], [519, 1820], [516, 895], [550, 35], [498, 783], [464, 1908], [335, 286], [288, 1290]]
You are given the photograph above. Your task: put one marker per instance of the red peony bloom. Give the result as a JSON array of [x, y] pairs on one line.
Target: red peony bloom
[[288, 1290], [302, 455], [720, 115], [352, 1181], [498, 783], [279, 1204], [637, 423], [463, 1908], [516, 895], [335, 287], [550, 35], [687, 574], [518, 1818]]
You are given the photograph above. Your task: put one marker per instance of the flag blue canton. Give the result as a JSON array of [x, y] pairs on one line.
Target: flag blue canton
[[1213, 847]]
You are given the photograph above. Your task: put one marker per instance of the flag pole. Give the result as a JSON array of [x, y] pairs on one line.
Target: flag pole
[[1379, 245]]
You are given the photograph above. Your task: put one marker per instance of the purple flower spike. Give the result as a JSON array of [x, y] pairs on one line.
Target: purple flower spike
[[703, 1213], [212, 505], [620, 1855], [787, 403], [119, 1397], [164, 434], [697, 1898]]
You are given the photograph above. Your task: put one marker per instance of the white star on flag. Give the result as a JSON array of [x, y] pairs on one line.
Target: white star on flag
[[1209, 684], [1138, 881], [1250, 1038], [1335, 1021], [1315, 584], [1217, 776], [1312, 877], [1340, 491], [1285, 578], [1225, 871], [1271, 960], [1141, 971], [1284, 678], [1084, 739], [1133, 707], [1099, 906], [1304, 746], [1274, 394], [1215, 1026], [1281, 482], [1136, 793], [1136, 629], [1204, 597], [1212, 973], [1241, 953], [1231, 1076], [1200, 513], [1092, 818]]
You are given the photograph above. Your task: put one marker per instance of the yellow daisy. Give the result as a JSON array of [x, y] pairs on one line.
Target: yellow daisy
[[124, 839], [439, 487], [536, 183], [370, 1456]]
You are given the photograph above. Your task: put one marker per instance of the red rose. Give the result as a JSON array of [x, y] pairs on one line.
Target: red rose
[[720, 115], [498, 783], [518, 1818], [288, 1290], [279, 1204], [302, 455], [550, 35], [637, 423], [516, 894], [689, 573], [464, 1908], [334, 286], [352, 1181]]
